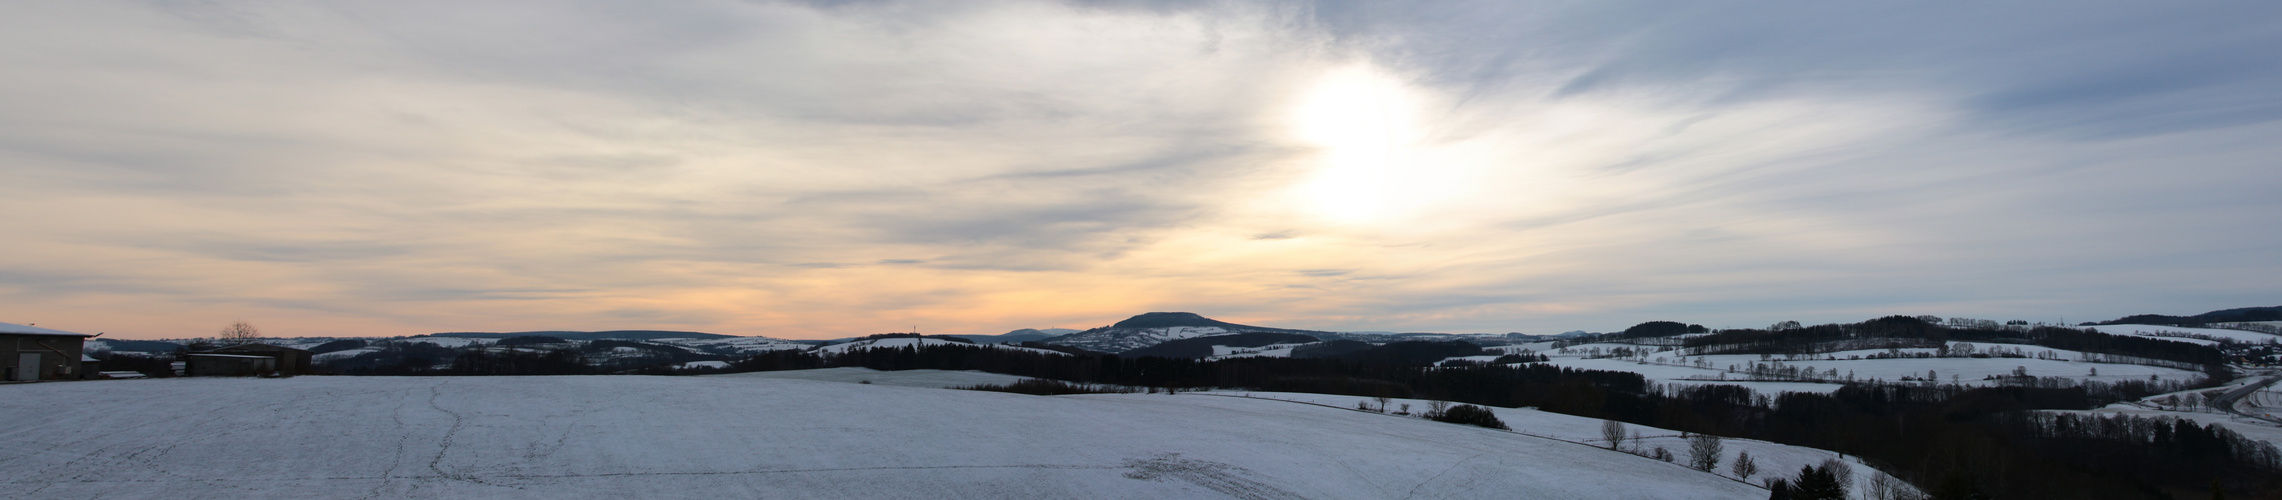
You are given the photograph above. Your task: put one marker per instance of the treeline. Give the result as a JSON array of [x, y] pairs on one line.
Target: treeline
[[518, 362], [2245, 314], [2172, 447], [1906, 331], [596, 357], [1318, 375]]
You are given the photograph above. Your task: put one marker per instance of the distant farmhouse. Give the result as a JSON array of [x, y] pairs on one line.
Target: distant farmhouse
[[249, 360], [32, 353]]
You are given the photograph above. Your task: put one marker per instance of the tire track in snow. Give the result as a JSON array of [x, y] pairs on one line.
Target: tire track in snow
[[444, 446], [1218, 477], [1438, 475], [388, 476]]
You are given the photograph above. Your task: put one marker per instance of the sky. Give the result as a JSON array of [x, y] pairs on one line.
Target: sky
[[834, 168]]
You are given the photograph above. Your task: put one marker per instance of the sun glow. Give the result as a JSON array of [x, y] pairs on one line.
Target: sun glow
[[1362, 120]]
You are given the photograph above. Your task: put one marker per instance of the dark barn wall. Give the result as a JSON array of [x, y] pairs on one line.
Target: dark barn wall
[[59, 355]]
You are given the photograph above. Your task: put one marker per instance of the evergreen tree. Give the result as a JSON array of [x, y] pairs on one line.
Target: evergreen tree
[[1816, 483], [1778, 489]]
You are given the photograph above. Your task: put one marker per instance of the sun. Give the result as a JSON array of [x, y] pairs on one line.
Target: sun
[[1360, 118]]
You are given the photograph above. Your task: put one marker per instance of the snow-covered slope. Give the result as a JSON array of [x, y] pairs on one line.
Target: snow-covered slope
[[728, 437], [2190, 335], [1153, 328], [1773, 458], [937, 379], [1735, 369], [739, 345]]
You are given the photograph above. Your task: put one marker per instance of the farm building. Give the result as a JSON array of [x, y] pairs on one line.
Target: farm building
[[231, 365], [284, 360], [34, 353]]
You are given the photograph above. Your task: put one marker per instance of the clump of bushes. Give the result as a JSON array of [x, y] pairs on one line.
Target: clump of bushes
[[1469, 415]]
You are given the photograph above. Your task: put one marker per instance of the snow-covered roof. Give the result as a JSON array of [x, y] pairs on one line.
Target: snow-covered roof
[[16, 329]]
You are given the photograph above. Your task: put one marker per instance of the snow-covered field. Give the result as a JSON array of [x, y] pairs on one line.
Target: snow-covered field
[[1969, 371], [745, 437], [2163, 332], [339, 355], [745, 345], [1777, 459], [1220, 352], [1669, 367], [2264, 402]]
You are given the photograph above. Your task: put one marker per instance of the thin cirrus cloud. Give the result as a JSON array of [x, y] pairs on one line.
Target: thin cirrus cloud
[[825, 169]]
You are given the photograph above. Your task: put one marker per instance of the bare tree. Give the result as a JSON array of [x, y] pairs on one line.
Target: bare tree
[[1885, 487], [1436, 407], [1613, 431], [240, 333], [1703, 451], [1744, 466], [1383, 400], [1841, 471]]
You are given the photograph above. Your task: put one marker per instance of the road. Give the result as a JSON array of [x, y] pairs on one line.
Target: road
[[2225, 402]]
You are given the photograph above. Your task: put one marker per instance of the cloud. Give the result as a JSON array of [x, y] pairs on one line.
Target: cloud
[[819, 169]]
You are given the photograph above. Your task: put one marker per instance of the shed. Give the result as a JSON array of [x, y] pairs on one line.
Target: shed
[[34, 353], [290, 361], [231, 365], [89, 367]]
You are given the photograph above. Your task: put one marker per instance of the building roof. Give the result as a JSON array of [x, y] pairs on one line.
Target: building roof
[[16, 329]]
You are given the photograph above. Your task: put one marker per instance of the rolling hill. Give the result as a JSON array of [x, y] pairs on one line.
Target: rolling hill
[[1150, 329]]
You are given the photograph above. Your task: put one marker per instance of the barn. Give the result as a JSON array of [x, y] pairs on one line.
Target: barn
[[231, 365], [32, 353], [284, 361]]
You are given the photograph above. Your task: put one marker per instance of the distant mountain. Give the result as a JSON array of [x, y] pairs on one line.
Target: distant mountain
[[1154, 328], [2241, 314], [613, 335], [1017, 336]]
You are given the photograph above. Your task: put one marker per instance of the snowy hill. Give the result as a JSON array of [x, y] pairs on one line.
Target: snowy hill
[[2205, 336], [1219, 345], [1825, 372], [736, 345], [744, 437], [572, 335], [1018, 336], [895, 342], [1150, 329]]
